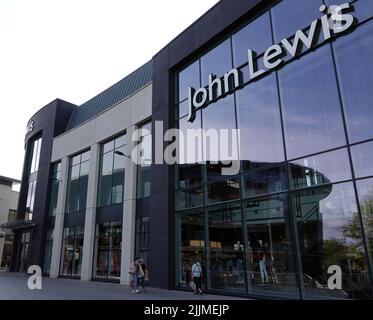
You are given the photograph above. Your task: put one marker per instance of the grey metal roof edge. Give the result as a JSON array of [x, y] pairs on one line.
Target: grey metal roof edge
[[108, 97], [102, 112], [116, 83]]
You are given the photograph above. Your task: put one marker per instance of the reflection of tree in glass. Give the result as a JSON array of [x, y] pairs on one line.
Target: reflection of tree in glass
[[348, 253], [353, 229], [350, 257]]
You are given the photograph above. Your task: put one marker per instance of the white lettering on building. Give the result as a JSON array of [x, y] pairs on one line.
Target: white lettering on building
[[332, 23]]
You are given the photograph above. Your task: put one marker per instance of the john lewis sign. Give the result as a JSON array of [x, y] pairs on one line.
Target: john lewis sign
[[334, 21], [30, 127]]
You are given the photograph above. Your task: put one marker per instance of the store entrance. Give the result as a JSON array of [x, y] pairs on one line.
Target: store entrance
[[108, 251]]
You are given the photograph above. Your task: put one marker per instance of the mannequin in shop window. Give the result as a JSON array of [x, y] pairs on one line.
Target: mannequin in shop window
[[262, 255], [116, 263], [239, 270]]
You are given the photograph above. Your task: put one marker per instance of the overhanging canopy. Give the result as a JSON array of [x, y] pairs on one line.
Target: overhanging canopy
[[18, 224]]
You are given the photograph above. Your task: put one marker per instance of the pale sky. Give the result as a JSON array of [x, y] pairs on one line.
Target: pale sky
[[73, 50]]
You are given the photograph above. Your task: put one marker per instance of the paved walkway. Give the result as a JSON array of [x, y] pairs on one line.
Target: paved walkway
[[14, 287]]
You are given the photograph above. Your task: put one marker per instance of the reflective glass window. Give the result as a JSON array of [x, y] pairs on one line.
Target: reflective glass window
[[85, 156], [29, 195], [189, 175], [72, 190], [264, 181], [218, 61], [118, 175], [32, 177], [353, 54], [108, 248], [362, 9], [226, 248], [190, 140], [330, 235], [76, 159], [145, 156], [320, 169], [220, 170], [217, 116], [83, 186], [55, 185], [78, 183], [182, 109], [256, 36], [189, 198], [223, 190], [48, 251], [120, 141], [362, 158], [291, 15], [189, 77], [106, 179], [310, 104], [108, 146], [365, 192], [142, 238], [72, 251], [269, 251], [112, 171], [35, 155], [260, 122], [190, 245]]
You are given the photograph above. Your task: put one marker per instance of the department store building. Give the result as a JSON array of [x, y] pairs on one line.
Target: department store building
[[296, 78]]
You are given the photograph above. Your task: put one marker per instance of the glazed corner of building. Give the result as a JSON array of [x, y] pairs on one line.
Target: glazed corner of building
[[147, 94]]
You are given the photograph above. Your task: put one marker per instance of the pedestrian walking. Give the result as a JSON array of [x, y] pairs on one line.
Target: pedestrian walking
[[197, 275], [139, 273], [132, 275], [144, 277]]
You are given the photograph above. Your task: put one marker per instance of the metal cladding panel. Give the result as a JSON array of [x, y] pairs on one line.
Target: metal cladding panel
[[116, 93]]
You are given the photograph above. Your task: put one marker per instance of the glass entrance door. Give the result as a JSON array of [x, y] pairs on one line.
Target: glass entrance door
[[72, 251], [108, 251]]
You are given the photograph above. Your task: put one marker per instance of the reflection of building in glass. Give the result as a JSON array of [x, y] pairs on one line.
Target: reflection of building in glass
[[268, 248], [293, 204]]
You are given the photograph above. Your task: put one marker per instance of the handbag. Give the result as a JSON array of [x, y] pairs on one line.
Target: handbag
[[132, 269]]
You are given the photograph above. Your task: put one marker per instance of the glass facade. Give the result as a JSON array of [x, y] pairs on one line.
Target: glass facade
[[72, 251], [8, 241], [142, 238], [54, 189], [33, 176], [48, 247], [143, 191], [22, 252], [78, 183], [55, 186], [108, 250], [300, 201], [145, 160], [112, 163], [36, 148]]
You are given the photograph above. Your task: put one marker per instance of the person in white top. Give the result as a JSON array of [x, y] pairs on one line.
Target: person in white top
[[196, 275]]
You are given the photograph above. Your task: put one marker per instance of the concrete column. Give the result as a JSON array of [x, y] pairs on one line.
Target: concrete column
[[90, 214], [59, 219], [129, 211]]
